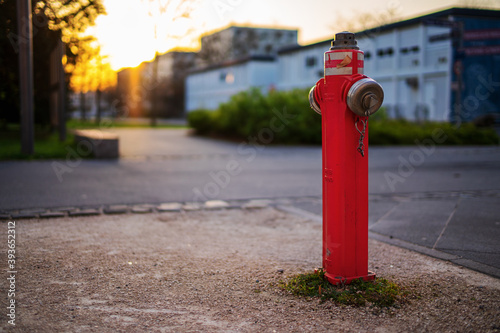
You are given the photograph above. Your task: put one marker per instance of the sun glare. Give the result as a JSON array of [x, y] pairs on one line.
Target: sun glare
[[127, 33]]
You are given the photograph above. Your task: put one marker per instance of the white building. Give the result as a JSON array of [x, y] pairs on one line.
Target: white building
[[414, 67], [441, 66], [414, 72], [301, 66], [207, 88]]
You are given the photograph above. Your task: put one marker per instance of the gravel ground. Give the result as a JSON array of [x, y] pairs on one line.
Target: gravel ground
[[218, 271]]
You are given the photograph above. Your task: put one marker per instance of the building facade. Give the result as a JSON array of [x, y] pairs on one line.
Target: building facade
[[230, 60], [443, 66], [139, 85], [235, 59], [209, 87], [414, 67], [235, 43]]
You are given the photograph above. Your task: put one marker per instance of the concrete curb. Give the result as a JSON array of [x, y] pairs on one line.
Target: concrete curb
[[135, 209]]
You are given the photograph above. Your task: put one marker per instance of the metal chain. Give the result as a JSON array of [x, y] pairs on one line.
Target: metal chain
[[361, 146]]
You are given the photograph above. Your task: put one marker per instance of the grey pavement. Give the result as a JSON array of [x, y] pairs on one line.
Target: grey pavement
[[461, 228], [441, 201]]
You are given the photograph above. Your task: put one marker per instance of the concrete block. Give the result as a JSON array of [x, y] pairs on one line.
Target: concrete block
[[100, 144]]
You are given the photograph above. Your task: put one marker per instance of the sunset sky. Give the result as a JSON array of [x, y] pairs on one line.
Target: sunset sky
[[126, 33]]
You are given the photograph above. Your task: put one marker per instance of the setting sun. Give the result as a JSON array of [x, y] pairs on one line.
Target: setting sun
[[127, 32]]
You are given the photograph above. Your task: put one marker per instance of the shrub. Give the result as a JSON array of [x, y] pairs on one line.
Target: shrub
[[402, 132], [248, 112], [201, 121]]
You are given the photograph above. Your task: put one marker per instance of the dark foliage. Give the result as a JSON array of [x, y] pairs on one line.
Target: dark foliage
[[49, 22]]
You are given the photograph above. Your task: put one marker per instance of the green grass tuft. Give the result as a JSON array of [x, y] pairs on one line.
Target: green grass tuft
[[380, 292], [46, 145]]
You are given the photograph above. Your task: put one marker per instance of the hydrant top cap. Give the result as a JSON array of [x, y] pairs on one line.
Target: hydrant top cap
[[344, 40]]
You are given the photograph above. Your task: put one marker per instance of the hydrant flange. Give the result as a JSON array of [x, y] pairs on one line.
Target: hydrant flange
[[365, 97]]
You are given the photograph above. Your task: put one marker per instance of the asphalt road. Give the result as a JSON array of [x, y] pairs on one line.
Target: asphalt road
[[445, 199], [163, 166], [167, 165]]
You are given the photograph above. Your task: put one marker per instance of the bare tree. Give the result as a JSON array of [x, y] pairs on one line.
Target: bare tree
[[479, 4], [362, 21], [101, 84], [217, 49], [159, 10]]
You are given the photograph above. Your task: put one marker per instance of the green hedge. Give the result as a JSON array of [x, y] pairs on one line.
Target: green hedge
[[285, 117], [403, 132], [279, 117]]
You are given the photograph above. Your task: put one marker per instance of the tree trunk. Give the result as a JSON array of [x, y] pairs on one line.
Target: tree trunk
[[154, 92], [83, 111], [98, 105]]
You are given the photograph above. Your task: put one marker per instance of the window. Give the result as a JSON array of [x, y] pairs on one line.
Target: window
[[388, 51], [411, 49], [311, 61], [226, 77], [230, 78], [438, 38], [412, 82], [368, 55]]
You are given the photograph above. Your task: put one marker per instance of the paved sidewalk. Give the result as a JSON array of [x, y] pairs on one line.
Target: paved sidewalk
[[217, 271], [463, 227]]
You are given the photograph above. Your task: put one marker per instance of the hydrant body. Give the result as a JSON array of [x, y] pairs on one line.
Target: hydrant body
[[345, 98]]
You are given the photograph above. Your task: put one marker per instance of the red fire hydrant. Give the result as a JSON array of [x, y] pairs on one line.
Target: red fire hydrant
[[345, 98]]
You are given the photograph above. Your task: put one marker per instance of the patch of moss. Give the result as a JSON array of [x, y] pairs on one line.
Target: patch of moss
[[380, 292]]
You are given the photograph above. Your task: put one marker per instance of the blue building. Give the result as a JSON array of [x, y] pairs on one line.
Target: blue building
[[476, 65]]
